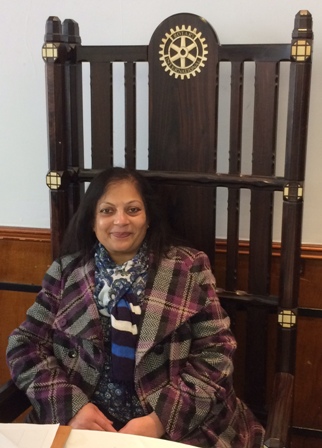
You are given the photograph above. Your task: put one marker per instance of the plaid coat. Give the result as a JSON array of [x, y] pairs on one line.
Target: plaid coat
[[183, 359]]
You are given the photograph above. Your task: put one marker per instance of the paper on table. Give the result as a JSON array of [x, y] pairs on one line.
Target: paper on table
[[84, 438], [6, 443], [24, 435]]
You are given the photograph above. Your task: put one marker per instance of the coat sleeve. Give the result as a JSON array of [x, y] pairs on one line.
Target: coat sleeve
[[33, 363], [191, 381]]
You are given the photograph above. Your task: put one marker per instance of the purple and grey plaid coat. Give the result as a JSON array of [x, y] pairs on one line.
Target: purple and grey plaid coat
[[183, 358]]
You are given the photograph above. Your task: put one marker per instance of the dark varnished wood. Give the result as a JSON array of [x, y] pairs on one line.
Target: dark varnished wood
[[183, 130], [65, 121], [13, 402], [235, 148], [183, 160], [130, 114], [277, 430], [101, 114], [183, 120]]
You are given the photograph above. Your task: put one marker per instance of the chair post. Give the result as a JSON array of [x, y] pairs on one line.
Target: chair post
[[74, 114], [65, 143], [297, 125], [298, 112]]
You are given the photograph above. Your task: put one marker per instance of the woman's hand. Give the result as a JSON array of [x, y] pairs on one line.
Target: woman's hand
[[90, 417], [149, 426]]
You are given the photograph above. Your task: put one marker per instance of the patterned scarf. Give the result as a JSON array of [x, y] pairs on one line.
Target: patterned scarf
[[119, 292]]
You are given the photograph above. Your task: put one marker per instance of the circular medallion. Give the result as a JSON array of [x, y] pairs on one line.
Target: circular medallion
[[183, 52]]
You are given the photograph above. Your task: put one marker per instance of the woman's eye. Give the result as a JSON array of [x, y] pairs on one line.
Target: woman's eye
[[106, 211], [133, 210]]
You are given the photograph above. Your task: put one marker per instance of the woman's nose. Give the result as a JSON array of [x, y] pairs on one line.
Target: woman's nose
[[121, 217]]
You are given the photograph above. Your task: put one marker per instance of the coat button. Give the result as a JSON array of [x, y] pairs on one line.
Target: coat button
[[63, 322], [72, 353], [158, 349]]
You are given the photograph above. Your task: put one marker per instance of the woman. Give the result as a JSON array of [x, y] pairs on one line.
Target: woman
[[127, 333]]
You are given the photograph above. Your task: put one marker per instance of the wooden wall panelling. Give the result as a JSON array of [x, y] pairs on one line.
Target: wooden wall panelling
[[308, 378], [310, 283], [24, 258], [14, 306]]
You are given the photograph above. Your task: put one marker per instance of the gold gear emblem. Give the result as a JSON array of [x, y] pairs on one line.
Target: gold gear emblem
[[183, 52]]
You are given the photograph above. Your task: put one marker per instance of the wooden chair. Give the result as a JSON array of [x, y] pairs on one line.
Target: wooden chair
[[188, 71]]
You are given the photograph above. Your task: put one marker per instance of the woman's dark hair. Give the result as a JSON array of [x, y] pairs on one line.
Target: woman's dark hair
[[80, 236]]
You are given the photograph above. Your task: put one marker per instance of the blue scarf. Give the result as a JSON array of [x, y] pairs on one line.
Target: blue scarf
[[119, 292]]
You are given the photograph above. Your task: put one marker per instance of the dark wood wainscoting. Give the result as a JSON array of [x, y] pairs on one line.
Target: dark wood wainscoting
[[25, 255]]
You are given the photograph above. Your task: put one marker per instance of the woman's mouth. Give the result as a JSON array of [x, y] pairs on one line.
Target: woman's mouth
[[121, 235]]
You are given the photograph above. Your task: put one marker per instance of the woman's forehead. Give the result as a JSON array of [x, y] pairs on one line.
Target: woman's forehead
[[122, 190]]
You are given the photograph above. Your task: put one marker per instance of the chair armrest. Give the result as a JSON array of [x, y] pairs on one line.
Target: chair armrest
[[279, 416], [13, 402]]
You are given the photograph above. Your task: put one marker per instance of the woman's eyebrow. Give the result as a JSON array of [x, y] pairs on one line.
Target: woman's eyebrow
[[126, 203]]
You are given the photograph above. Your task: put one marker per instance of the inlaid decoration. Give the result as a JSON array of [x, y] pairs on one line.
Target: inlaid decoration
[[183, 52], [49, 51], [53, 180], [293, 192], [287, 318], [301, 50]]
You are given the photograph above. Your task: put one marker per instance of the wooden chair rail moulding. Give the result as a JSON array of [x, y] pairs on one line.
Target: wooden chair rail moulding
[[24, 233], [309, 251]]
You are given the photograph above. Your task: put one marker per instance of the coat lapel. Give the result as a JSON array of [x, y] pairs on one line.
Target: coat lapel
[[167, 306], [78, 314]]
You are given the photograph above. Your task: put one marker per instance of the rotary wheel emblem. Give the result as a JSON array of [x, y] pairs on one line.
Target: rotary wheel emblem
[[183, 52]]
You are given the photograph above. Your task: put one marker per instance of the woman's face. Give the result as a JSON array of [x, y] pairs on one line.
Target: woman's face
[[120, 221]]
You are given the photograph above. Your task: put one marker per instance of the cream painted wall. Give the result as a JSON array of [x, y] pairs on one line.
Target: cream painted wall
[[24, 197]]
